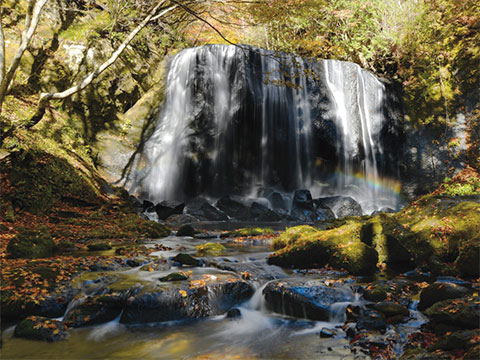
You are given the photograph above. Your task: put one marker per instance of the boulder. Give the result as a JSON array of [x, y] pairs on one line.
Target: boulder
[[210, 249], [322, 214], [468, 261], [167, 208], [393, 313], [439, 291], [177, 302], [462, 313], [355, 257], [185, 259], [186, 230], [99, 247], [309, 299], [233, 313], [203, 210], [40, 328], [32, 244], [370, 319], [148, 206], [303, 208], [341, 206], [279, 204], [233, 208], [94, 310], [177, 276], [260, 212], [181, 219], [457, 340]]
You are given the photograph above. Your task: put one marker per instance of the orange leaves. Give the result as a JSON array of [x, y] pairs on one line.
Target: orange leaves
[[183, 293], [246, 275], [197, 283]]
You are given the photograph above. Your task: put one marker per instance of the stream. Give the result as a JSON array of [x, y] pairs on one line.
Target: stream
[[251, 331]]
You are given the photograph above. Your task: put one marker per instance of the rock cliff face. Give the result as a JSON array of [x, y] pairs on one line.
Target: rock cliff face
[[239, 118]]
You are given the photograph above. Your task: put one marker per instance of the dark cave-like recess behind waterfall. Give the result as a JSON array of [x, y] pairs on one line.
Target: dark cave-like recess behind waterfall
[[237, 119]]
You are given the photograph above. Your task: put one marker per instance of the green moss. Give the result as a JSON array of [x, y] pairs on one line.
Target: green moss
[[305, 246], [251, 232], [356, 257], [32, 244], [40, 180], [291, 235], [437, 226], [210, 249], [468, 261], [99, 247], [138, 225]]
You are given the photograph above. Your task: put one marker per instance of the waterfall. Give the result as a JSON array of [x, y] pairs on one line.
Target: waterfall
[[359, 115], [242, 118]]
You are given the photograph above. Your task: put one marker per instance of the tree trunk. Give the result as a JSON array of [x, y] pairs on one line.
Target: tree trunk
[[31, 23], [2, 55]]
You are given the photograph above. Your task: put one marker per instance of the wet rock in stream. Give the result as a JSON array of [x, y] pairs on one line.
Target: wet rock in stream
[[40, 328], [309, 299], [180, 302], [94, 310]]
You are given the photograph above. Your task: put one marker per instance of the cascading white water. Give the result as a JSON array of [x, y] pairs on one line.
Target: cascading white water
[[236, 119], [171, 134], [358, 97]]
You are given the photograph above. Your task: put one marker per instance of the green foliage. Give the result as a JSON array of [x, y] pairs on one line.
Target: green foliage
[[432, 47]]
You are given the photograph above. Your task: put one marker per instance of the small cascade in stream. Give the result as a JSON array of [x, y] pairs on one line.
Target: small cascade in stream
[[237, 119]]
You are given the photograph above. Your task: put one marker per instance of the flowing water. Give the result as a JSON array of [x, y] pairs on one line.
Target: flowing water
[[238, 119], [257, 333]]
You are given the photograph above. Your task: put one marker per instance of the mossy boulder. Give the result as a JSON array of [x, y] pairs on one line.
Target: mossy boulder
[[468, 261], [390, 309], [40, 179], [99, 247], [256, 231], [376, 292], [291, 235], [438, 226], [457, 340], [356, 257], [210, 248], [376, 233], [94, 310], [32, 244], [462, 313], [40, 328], [441, 291], [306, 247], [185, 259], [133, 223]]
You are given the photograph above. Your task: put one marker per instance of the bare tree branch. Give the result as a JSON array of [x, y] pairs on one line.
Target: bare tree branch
[[44, 97], [31, 23]]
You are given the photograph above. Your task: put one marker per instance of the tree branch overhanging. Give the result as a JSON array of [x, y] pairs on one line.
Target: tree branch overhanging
[[45, 97]]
